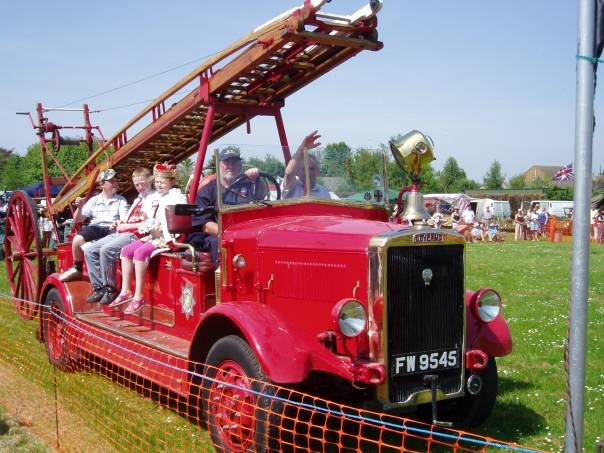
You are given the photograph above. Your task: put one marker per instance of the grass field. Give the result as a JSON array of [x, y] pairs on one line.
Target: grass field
[[533, 279]]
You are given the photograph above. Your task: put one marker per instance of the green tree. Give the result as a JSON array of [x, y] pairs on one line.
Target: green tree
[[334, 158], [184, 170], [556, 193], [270, 164], [20, 171], [494, 179], [362, 167], [430, 180], [452, 177], [518, 182], [4, 155], [11, 177]]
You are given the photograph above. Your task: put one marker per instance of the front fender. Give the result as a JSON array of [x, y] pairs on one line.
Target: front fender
[[286, 355], [73, 293], [494, 338]]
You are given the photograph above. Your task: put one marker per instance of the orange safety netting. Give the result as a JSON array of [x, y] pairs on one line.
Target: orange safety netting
[[95, 405]]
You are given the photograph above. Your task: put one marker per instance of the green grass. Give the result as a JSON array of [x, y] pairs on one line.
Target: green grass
[[534, 281]]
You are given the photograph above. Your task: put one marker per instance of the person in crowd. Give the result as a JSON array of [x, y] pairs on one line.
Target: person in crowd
[[104, 210], [533, 220], [438, 218], [101, 255], [519, 225], [493, 232], [207, 198], [135, 256], [476, 232], [487, 215], [46, 229], [456, 220], [469, 217], [542, 219], [294, 179], [599, 226], [3, 207]]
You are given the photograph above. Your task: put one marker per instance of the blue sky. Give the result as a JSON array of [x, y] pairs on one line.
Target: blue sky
[[486, 79]]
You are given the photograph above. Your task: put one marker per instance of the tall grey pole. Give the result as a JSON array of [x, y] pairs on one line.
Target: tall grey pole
[[577, 332]]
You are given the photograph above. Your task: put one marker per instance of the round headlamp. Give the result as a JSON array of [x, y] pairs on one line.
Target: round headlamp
[[350, 317], [487, 305]]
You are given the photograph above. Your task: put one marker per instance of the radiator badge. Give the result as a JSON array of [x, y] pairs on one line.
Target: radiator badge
[[187, 301], [427, 276], [428, 237]]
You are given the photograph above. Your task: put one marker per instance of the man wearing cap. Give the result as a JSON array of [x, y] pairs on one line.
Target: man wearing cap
[[207, 196], [101, 255], [104, 211]]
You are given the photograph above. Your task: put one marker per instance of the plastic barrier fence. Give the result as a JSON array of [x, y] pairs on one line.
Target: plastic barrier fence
[[94, 405]]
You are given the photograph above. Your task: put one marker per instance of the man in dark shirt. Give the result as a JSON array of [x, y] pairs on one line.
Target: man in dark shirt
[[207, 196]]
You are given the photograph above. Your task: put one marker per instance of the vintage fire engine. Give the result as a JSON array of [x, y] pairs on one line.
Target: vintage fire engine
[[309, 292]]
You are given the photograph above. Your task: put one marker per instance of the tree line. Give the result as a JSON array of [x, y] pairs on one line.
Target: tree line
[[358, 166]]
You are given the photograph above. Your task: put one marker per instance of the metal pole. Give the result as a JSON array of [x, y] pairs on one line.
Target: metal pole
[[577, 332]]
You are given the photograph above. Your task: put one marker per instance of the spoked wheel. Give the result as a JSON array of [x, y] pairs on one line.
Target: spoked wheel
[[234, 401], [23, 246]]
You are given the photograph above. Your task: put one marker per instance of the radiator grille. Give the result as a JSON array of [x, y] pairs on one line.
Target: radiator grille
[[422, 317]]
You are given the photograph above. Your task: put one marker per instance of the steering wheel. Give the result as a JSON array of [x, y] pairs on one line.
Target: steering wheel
[[257, 193]]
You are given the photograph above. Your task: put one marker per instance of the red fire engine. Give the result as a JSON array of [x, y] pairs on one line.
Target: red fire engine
[[310, 293]]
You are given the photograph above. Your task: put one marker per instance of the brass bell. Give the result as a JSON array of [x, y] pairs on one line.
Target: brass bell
[[412, 152], [415, 210]]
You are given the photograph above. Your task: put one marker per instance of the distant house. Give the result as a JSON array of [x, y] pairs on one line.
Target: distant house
[[545, 173]]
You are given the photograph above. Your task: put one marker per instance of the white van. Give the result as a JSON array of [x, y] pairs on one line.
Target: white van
[[560, 208], [501, 208]]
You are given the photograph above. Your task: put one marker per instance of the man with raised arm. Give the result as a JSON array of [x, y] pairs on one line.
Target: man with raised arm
[[295, 179]]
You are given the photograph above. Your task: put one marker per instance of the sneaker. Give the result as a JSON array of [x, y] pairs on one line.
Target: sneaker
[[108, 295], [95, 296], [70, 275], [121, 299], [134, 306]]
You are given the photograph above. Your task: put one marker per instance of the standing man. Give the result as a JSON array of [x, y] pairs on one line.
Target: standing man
[[469, 218], [101, 255], [487, 215], [295, 179], [207, 197]]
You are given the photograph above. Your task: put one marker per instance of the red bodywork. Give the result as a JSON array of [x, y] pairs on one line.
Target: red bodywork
[[301, 259]]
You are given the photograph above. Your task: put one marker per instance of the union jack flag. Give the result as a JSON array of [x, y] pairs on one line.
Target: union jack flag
[[564, 174]]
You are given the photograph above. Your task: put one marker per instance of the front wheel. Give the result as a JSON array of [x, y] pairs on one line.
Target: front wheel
[[58, 336], [236, 398], [473, 410]]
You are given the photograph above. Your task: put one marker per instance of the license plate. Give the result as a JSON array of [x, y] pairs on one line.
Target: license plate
[[425, 362]]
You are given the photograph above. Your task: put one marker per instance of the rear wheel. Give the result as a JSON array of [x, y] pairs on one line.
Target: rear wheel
[[235, 399], [58, 336], [23, 246]]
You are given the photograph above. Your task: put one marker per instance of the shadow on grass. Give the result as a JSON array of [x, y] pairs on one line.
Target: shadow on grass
[[507, 385], [513, 422]]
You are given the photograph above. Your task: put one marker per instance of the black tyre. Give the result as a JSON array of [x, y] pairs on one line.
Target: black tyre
[[58, 335], [473, 410], [236, 398]]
